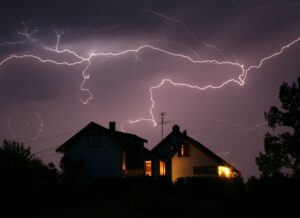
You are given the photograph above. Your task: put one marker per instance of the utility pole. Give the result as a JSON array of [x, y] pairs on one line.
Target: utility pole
[[162, 114]]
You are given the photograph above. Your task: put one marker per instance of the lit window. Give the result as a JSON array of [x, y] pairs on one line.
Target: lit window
[[148, 168], [184, 151], [224, 172], [162, 168]]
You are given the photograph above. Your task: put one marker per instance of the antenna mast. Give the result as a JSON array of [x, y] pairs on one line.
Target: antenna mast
[[162, 114]]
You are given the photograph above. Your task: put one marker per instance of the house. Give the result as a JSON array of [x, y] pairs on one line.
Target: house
[[107, 152], [183, 156]]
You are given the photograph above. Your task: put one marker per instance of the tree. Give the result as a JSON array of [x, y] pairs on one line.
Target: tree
[[282, 150], [15, 155], [73, 171], [25, 181]]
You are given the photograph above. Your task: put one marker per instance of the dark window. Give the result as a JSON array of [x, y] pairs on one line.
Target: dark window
[[171, 148], [94, 140], [184, 150], [134, 161], [205, 170]]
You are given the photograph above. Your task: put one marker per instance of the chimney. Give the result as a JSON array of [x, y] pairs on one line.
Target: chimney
[[176, 128], [112, 126], [184, 132]]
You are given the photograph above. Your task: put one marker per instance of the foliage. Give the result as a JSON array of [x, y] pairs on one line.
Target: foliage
[[15, 155], [272, 197], [282, 150], [72, 171], [25, 181]]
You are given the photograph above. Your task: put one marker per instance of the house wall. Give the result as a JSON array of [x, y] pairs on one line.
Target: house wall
[[184, 166], [103, 161], [132, 141]]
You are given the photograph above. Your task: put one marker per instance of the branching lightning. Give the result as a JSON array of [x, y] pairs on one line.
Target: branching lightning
[[230, 128], [237, 126], [86, 62], [26, 35], [240, 81], [187, 30]]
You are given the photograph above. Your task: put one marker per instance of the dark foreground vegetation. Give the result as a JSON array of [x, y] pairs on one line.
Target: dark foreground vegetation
[[27, 194]]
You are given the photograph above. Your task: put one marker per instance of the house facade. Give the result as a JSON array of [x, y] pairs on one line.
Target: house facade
[[183, 156], [107, 152]]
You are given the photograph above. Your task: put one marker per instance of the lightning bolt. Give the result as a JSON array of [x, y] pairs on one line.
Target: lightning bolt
[[87, 60], [26, 36], [240, 81], [186, 29], [165, 17], [234, 125], [80, 60]]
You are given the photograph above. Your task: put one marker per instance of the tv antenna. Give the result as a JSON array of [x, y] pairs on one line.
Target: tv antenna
[[162, 122]]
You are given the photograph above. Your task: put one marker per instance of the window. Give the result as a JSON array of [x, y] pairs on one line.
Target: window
[[205, 170], [162, 168], [134, 161], [225, 172], [94, 140], [184, 150], [148, 168], [171, 148]]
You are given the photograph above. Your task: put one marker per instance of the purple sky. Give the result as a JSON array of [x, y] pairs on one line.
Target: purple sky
[[40, 100]]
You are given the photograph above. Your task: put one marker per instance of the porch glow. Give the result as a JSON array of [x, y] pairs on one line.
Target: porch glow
[[224, 171]]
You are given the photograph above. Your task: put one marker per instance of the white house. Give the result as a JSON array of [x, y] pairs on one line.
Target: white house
[[185, 157]]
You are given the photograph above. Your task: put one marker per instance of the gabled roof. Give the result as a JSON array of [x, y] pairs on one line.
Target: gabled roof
[[182, 137], [119, 137]]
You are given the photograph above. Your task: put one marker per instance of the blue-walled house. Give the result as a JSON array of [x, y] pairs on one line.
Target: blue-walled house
[[107, 152]]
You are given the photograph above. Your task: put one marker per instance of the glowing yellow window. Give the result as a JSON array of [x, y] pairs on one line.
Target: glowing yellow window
[[148, 168], [224, 172], [162, 168], [184, 151]]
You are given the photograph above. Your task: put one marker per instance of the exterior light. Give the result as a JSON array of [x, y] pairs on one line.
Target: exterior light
[[224, 171]]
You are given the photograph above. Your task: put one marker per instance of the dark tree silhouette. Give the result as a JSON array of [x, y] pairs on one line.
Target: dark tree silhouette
[[282, 150], [15, 155], [25, 180], [73, 171]]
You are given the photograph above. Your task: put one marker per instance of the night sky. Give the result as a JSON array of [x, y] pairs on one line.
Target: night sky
[[81, 61]]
